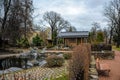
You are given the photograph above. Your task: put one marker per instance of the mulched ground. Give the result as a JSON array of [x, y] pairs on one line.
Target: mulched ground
[[114, 66]]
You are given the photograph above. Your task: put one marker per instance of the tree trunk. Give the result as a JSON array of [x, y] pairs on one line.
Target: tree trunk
[[111, 34], [52, 33], [117, 45]]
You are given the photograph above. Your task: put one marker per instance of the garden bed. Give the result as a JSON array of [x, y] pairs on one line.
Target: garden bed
[[103, 54]]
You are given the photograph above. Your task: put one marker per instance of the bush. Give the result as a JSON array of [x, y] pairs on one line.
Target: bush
[[37, 41], [62, 77], [100, 47], [23, 42], [79, 62], [50, 46], [54, 61], [67, 55]]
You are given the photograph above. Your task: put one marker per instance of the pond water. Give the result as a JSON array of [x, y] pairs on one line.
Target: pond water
[[28, 59]]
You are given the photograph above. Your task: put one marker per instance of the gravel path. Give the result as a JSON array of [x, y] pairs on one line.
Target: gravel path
[[114, 66], [37, 73]]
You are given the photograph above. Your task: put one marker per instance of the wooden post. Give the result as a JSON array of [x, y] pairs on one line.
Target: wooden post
[[76, 41], [64, 42], [81, 39], [86, 40]]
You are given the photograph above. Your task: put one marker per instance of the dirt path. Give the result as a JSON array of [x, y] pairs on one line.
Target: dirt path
[[8, 55], [114, 66], [51, 51], [2, 55]]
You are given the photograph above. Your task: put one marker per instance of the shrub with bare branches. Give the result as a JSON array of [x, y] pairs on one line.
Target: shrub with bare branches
[[67, 56], [79, 63], [54, 61]]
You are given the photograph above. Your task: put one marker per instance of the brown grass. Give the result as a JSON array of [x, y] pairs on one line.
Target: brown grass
[[79, 63]]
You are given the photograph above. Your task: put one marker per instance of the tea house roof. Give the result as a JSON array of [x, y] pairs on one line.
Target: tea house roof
[[75, 34]]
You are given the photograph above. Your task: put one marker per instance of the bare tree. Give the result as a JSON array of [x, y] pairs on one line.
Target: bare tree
[[56, 22], [27, 15], [93, 32], [112, 13], [5, 8], [16, 18], [106, 34], [15, 21], [111, 29], [52, 18], [70, 29], [62, 24]]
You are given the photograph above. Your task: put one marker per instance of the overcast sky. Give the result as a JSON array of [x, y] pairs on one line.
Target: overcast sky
[[80, 13]]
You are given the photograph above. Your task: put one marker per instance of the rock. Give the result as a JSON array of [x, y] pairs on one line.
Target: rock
[[12, 69], [60, 55], [93, 71], [29, 64], [43, 50], [94, 76], [42, 63]]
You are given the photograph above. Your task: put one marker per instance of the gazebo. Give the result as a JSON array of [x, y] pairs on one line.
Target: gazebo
[[74, 38]]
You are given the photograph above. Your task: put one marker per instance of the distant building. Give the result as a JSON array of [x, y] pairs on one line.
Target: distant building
[[49, 36], [74, 38], [45, 35], [48, 33]]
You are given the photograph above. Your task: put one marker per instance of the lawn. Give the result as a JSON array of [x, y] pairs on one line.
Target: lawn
[[114, 48], [63, 77]]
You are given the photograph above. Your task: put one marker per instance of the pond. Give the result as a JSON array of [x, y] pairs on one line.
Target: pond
[[26, 60]]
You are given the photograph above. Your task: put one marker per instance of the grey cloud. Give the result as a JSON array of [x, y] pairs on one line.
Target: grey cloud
[[92, 10]]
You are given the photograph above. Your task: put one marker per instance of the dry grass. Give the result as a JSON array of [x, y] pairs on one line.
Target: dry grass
[[115, 48], [79, 63]]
